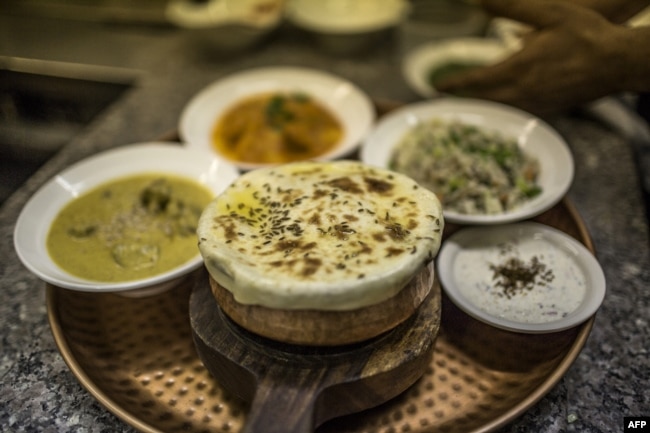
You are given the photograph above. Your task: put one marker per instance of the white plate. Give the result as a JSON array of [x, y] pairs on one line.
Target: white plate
[[464, 266], [533, 135], [345, 100], [346, 17], [34, 221], [419, 62]]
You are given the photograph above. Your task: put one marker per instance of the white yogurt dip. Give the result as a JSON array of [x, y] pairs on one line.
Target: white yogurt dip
[[525, 280], [525, 273]]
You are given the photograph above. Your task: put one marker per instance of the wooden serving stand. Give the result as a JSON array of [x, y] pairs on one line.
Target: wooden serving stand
[[292, 388]]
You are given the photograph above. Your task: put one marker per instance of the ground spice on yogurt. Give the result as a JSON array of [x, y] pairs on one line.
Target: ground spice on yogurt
[[527, 279], [514, 276]]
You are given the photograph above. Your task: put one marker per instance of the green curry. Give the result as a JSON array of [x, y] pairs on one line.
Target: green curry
[[444, 71], [130, 228]]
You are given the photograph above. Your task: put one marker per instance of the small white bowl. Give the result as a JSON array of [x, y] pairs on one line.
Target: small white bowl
[[578, 284], [437, 20], [419, 62], [33, 224], [535, 137], [344, 99], [346, 27], [344, 16], [226, 25]]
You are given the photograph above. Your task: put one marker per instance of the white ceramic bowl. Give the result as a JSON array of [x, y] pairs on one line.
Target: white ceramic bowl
[[344, 99], [419, 62], [466, 263], [346, 17], [534, 136], [347, 27], [34, 221], [226, 25], [436, 20]]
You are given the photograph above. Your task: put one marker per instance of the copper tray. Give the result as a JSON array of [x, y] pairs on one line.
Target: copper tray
[[136, 356]]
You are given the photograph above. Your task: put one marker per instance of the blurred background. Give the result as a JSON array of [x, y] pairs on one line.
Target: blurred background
[[61, 64]]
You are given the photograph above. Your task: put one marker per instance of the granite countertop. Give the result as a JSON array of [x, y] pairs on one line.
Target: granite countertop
[[609, 379]]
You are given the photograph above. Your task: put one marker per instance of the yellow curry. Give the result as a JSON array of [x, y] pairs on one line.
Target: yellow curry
[[276, 128], [131, 228]]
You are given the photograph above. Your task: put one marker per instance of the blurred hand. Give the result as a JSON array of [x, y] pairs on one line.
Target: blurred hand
[[572, 56]]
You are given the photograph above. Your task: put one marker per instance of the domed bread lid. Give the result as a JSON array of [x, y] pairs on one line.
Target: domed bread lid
[[319, 235]]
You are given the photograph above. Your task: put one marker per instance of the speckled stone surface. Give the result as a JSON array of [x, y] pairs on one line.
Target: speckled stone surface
[[609, 380]]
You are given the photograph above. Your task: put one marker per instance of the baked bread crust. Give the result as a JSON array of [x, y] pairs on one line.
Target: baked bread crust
[[328, 328], [329, 236]]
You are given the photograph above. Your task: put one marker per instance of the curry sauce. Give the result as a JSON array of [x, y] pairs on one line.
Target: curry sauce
[[131, 228], [276, 128]]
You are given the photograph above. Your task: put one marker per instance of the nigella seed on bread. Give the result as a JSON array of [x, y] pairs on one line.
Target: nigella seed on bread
[[319, 236]]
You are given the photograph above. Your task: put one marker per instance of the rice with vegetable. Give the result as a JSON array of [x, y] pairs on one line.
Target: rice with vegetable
[[471, 170]]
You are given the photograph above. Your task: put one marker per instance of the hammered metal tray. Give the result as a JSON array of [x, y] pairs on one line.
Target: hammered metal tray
[[136, 357]]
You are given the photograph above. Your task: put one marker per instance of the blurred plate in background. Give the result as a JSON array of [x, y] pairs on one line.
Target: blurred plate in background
[[434, 59]]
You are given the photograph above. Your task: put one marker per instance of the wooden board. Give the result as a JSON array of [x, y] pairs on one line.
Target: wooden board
[[295, 388]]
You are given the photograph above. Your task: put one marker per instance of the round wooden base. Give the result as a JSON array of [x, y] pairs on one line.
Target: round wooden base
[[328, 328], [295, 388]]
